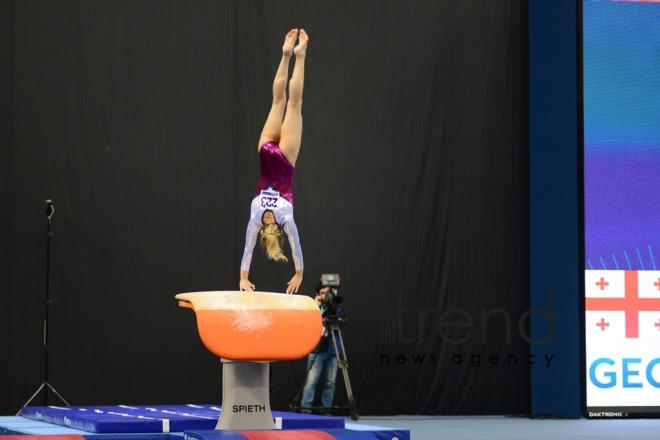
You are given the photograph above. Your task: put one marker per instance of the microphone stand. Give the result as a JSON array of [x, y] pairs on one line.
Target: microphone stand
[[45, 385]]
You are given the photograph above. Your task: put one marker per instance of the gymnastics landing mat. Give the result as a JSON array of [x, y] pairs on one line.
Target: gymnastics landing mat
[[176, 422]]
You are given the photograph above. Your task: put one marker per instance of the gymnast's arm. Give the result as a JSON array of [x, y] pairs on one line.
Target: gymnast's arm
[[250, 240], [291, 231]]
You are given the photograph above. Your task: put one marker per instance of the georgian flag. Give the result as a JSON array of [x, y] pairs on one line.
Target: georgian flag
[[622, 304]]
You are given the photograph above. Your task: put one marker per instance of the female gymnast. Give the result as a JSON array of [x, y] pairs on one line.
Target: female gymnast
[[279, 144]]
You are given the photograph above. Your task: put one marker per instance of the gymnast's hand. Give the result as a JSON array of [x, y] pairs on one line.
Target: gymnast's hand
[[246, 285], [294, 284]]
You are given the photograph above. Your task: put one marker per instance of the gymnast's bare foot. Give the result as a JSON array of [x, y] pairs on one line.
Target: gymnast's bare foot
[[301, 48], [289, 41]]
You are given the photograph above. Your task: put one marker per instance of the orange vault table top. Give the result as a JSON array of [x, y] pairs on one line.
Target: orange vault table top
[[255, 326]]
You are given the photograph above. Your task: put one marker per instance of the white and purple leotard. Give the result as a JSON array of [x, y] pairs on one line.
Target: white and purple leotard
[[274, 193]]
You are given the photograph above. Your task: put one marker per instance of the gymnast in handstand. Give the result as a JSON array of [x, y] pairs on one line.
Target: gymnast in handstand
[[279, 144]]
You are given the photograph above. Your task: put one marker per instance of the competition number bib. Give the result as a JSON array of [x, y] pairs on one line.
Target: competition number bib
[[269, 199]]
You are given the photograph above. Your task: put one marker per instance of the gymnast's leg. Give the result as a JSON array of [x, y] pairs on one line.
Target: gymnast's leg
[[272, 130], [292, 125]]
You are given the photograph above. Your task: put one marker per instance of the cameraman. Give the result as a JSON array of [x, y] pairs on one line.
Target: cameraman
[[323, 360]]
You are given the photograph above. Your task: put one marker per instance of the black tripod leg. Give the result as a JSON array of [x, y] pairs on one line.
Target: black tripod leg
[[343, 364], [43, 384], [57, 394]]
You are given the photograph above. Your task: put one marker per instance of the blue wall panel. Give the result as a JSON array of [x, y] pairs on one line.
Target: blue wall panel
[[554, 204]]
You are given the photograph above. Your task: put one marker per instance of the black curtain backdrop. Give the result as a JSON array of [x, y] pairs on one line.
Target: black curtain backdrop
[[140, 120], [5, 204]]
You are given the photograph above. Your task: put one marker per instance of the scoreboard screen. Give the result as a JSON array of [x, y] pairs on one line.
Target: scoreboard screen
[[621, 115]]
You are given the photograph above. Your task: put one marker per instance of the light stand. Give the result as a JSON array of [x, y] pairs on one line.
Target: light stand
[[45, 385]]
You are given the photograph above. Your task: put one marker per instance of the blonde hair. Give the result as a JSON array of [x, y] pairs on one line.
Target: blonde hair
[[271, 241]]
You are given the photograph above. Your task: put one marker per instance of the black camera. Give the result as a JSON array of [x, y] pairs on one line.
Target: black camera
[[332, 298]]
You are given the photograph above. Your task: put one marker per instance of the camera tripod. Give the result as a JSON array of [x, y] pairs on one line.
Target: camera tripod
[[342, 363]]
